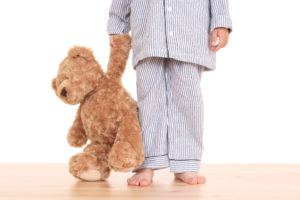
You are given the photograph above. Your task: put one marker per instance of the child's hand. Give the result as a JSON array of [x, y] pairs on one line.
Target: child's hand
[[223, 35], [111, 41]]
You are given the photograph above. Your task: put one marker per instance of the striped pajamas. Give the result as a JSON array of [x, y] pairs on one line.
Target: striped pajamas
[[170, 111], [179, 29], [172, 37]]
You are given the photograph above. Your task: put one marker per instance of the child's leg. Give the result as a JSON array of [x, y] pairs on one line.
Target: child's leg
[[185, 116], [152, 113]]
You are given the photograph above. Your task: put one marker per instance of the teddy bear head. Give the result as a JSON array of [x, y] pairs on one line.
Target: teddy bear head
[[79, 74]]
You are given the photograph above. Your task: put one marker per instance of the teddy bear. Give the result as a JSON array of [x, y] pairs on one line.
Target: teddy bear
[[107, 115]]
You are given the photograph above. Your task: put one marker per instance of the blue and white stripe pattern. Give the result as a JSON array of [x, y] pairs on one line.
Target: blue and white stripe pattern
[[170, 111], [179, 29]]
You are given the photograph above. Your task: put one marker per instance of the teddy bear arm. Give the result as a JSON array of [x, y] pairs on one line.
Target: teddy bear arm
[[76, 135]]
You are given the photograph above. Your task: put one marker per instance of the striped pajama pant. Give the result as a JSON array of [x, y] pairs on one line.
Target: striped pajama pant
[[170, 111]]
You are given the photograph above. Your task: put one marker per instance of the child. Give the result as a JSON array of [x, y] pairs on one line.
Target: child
[[173, 42]]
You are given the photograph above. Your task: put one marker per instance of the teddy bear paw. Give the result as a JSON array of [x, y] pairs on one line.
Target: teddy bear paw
[[90, 175], [122, 157], [76, 139], [86, 166]]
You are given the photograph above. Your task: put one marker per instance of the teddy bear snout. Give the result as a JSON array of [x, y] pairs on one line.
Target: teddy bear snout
[[63, 92]]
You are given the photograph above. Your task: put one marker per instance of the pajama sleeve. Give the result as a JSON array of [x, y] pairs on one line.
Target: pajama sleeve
[[220, 16], [119, 17]]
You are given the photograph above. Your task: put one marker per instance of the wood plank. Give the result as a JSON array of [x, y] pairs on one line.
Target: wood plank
[[224, 182]]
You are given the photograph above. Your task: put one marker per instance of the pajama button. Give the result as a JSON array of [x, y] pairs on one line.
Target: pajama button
[[170, 9], [171, 33]]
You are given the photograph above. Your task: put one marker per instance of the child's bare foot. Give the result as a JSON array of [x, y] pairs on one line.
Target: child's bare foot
[[190, 177], [143, 177]]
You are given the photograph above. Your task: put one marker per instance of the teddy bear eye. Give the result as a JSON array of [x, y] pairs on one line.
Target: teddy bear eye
[[64, 77], [76, 56]]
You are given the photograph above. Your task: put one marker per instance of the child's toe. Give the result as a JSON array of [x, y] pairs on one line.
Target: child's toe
[[136, 181], [201, 180], [128, 181], [144, 182], [131, 181], [192, 180]]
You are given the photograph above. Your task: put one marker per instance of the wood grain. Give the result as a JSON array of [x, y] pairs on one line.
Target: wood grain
[[224, 182]]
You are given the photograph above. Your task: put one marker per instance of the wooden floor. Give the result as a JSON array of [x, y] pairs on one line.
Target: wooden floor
[[224, 182]]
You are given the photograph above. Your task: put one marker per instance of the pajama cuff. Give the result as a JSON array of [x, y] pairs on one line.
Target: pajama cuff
[[180, 166], [155, 162], [116, 25], [221, 21]]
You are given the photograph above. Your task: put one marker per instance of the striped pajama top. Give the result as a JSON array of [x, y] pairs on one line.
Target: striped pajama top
[[179, 29]]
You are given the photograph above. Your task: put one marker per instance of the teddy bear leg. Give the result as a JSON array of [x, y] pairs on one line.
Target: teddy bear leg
[[91, 164], [127, 152]]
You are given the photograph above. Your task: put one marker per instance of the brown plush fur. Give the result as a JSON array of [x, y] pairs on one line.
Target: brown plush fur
[[107, 114]]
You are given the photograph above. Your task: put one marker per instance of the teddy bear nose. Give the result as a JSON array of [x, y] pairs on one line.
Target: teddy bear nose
[[63, 92]]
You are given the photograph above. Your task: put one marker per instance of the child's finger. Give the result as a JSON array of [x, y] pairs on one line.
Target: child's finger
[[218, 47], [112, 44], [214, 38], [224, 39], [222, 43]]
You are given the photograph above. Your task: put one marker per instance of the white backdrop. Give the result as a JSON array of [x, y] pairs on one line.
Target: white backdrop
[[252, 100]]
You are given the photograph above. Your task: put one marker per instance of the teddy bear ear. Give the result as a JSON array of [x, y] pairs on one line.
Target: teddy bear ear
[[53, 84], [83, 52]]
